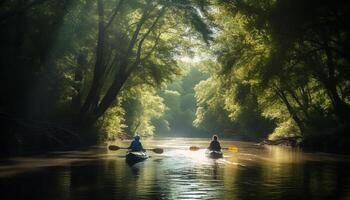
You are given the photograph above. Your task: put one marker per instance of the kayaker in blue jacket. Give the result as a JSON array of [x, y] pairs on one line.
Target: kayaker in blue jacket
[[136, 144], [214, 144]]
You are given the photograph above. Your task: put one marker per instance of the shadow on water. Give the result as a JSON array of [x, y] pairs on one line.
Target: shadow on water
[[253, 173]]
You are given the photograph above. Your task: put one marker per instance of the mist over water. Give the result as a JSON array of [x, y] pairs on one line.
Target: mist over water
[[254, 172]]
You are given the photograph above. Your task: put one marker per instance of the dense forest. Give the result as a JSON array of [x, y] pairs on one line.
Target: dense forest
[[77, 72]]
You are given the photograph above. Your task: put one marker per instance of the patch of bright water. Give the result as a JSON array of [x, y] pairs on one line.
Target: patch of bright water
[[254, 172]]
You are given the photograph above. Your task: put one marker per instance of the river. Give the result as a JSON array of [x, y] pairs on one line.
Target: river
[[255, 172]]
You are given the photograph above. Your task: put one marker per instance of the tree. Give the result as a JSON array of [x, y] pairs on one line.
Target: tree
[[144, 42], [290, 56], [78, 59]]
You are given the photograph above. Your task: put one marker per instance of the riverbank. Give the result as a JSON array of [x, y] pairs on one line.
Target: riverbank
[[332, 141], [23, 137]]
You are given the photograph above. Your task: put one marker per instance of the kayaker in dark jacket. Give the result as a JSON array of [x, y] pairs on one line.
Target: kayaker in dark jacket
[[215, 144], [136, 144]]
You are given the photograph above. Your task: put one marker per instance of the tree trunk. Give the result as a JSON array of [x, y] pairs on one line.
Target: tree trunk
[[340, 107], [90, 114], [291, 110], [78, 79], [93, 94]]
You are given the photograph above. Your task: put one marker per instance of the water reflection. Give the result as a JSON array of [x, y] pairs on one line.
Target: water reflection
[[253, 173]]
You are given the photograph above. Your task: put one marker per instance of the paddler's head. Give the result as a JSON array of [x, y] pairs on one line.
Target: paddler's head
[[137, 137], [215, 137]]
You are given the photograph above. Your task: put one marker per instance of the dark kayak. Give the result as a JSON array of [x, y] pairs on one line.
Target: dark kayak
[[135, 157], [214, 154]]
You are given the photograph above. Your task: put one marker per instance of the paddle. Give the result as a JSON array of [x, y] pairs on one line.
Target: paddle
[[231, 148], [115, 148]]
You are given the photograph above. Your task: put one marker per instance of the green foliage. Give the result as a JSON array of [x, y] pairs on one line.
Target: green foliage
[[284, 60], [285, 129], [94, 63], [210, 114], [146, 106], [113, 123], [272, 64], [181, 105]]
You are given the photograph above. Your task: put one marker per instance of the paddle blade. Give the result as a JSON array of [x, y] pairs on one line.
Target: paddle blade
[[113, 147], [194, 148], [158, 150], [233, 149]]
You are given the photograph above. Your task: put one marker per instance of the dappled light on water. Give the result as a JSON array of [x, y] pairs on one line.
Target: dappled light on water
[[197, 156], [255, 172], [284, 155]]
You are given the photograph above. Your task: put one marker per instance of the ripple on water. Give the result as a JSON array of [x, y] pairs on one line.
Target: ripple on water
[[252, 173]]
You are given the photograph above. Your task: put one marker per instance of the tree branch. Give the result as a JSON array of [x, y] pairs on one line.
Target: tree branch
[[116, 11], [153, 48], [138, 54]]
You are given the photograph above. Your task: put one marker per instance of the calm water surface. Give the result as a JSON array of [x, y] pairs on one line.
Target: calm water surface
[[254, 172]]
